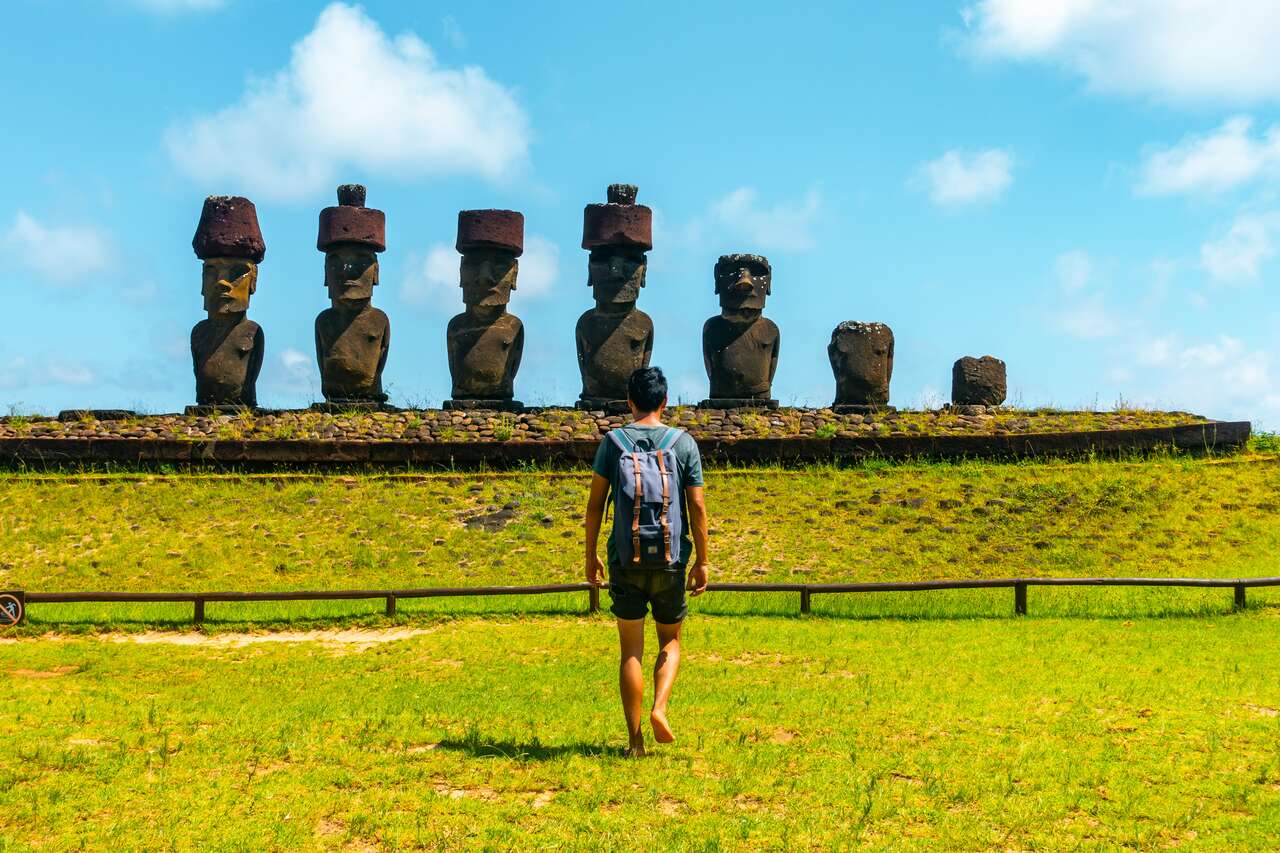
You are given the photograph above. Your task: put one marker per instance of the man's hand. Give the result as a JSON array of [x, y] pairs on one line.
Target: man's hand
[[595, 571], [697, 583]]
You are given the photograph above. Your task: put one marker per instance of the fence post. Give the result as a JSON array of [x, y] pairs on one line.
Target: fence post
[[1239, 603], [804, 601], [1020, 599], [593, 600], [198, 616], [391, 605]]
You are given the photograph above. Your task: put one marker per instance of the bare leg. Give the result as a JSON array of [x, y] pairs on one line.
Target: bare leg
[[631, 680], [664, 677]]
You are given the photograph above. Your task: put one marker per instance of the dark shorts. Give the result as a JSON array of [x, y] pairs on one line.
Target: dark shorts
[[633, 591]]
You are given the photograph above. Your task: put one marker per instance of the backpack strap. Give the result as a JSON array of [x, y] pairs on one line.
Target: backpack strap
[[620, 438], [635, 512], [669, 439], [666, 503]]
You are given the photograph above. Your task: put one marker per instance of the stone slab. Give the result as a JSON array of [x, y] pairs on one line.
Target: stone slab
[[1219, 436]]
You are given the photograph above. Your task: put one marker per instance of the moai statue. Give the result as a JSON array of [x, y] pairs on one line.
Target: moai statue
[[226, 348], [614, 339], [861, 356], [978, 382], [740, 344], [486, 341], [352, 337]]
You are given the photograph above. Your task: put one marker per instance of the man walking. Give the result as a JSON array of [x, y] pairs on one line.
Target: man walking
[[654, 473]]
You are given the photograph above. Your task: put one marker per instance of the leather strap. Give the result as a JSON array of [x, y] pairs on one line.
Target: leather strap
[[666, 504]]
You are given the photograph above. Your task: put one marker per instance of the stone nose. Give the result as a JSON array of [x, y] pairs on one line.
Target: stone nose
[[745, 281]]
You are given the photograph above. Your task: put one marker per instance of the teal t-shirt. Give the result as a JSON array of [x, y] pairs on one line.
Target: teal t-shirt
[[687, 457]]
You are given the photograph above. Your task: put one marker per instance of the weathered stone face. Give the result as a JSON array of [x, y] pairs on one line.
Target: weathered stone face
[[487, 277], [861, 356], [615, 275], [227, 284], [350, 274], [743, 282], [978, 382]]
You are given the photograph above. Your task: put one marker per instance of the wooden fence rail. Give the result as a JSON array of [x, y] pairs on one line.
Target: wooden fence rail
[[805, 590]]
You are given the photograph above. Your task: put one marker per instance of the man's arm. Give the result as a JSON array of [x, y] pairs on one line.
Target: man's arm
[[594, 517], [698, 524]]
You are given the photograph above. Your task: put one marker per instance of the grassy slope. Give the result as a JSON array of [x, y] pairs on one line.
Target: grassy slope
[[971, 734], [1171, 517]]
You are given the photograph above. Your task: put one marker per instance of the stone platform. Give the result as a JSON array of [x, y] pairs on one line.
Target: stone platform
[[493, 438]]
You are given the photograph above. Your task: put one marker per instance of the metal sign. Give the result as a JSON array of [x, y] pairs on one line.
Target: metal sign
[[12, 607]]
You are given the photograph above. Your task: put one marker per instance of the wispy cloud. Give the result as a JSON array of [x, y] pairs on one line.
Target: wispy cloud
[[1239, 254], [959, 177], [21, 372], [352, 99], [785, 225], [1224, 159], [60, 254], [1183, 50]]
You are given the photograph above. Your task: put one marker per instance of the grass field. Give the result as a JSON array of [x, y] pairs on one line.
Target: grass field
[[797, 734], [1108, 718], [1169, 517]]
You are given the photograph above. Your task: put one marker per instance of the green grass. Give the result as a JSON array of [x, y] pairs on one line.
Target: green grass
[[1171, 517], [793, 734]]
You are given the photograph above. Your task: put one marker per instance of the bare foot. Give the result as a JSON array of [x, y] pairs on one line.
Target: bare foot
[[661, 728], [636, 750]]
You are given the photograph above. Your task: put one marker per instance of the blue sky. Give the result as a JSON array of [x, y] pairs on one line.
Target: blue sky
[[1086, 190]]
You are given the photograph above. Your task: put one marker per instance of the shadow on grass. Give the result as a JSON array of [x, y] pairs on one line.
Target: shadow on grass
[[479, 747]]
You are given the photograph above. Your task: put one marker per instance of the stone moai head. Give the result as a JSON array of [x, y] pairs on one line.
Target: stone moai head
[[743, 281], [861, 356], [978, 381], [350, 236], [229, 242], [490, 241], [617, 234]]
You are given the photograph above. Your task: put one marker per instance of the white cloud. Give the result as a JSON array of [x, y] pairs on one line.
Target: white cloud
[[354, 100], [959, 177], [297, 364], [1073, 269], [431, 280], [22, 372], [1212, 163], [1238, 255], [171, 6], [1221, 377], [1183, 50], [787, 225], [63, 255]]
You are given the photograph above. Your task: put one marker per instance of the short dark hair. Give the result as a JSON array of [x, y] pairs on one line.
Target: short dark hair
[[647, 388]]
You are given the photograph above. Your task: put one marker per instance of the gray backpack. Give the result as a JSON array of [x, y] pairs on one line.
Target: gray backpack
[[646, 501]]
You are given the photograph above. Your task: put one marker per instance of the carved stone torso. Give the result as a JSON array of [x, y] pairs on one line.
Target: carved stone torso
[[351, 348], [610, 348], [484, 355], [227, 357], [740, 356]]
